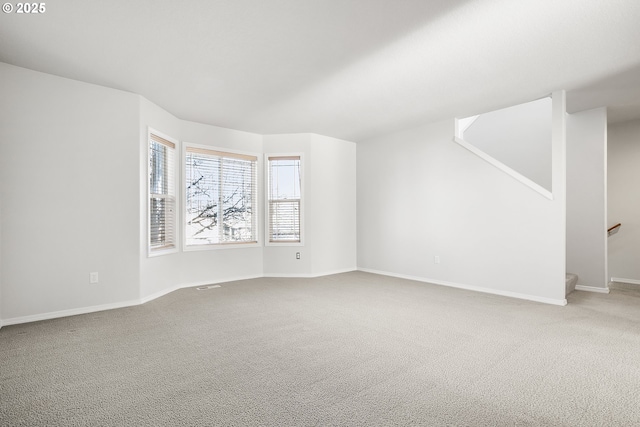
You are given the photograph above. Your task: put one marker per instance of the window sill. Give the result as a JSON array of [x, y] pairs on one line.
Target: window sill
[[220, 246], [152, 253]]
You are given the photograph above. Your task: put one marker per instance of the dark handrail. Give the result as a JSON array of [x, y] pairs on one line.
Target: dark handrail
[[614, 229]]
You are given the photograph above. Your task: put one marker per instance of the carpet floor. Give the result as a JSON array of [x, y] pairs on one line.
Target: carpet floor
[[347, 349]]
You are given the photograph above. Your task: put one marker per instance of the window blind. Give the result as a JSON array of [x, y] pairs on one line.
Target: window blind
[[284, 199], [161, 193], [221, 194]]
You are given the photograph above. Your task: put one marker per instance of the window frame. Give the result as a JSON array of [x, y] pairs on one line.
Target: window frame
[[173, 247], [267, 204], [183, 205]]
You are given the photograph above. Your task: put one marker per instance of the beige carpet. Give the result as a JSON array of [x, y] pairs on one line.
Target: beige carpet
[[349, 349]]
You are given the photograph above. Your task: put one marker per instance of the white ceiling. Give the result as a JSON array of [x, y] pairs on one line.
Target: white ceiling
[[344, 68]]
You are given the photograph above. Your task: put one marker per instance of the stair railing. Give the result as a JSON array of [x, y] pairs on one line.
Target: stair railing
[[614, 229]]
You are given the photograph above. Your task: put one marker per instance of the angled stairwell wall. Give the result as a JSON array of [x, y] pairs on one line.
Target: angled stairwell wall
[[516, 138], [431, 210]]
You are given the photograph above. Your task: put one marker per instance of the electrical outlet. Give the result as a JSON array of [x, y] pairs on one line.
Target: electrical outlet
[[93, 277], [297, 255], [436, 259]]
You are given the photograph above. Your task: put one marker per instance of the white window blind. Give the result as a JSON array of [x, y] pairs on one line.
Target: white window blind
[[162, 199], [284, 196], [221, 194]]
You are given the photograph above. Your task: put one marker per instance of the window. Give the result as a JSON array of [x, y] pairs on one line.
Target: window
[[284, 182], [162, 200], [221, 194]]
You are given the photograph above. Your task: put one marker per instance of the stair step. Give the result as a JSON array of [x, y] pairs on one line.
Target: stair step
[[570, 283]]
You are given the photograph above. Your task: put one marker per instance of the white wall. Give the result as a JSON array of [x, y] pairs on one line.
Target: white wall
[[329, 207], [519, 137], [624, 200], [586, 197], [420, 195], [280, 260], [68, 179], [73, 169], [226, 264], [73, 190], [0, 256], [159, 273]]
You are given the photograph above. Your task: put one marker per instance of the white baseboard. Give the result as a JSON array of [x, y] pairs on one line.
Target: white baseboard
[[145, 299], [311, 275], [470, 287], [95, 308], [592, 289], [293, 275], [332, 272], [159, 294], [164, 292], [622, 280], [216, 281], [65, 313]]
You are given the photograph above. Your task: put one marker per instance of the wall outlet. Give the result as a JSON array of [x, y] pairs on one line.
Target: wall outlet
[[93, 277], [436, 259], [297, 255]]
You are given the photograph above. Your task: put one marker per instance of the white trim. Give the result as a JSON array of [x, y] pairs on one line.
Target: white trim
[[622, 280], [176, 190], [289, 275], [518, 295], [310, 275], [216, 281], [103, 307], [195, 284], [339, 271], [66, 313], [159, 252], [592, 289], [266, 198], [148, 298], [221, 246], [283, 243], [463, 124], [605, 205], [504, 168], [155, 295], [183, 200]]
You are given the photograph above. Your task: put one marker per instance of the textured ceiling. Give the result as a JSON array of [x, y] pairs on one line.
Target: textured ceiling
[[344, 68]]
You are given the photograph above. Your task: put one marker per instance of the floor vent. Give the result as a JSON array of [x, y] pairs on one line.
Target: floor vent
[[204, 288]]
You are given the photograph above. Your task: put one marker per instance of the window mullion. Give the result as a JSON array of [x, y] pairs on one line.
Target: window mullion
[[284, 199], [228, 187], [161, 194], [220, 200]]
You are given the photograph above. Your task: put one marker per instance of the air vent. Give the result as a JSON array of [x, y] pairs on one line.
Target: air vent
[[204, 288]]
